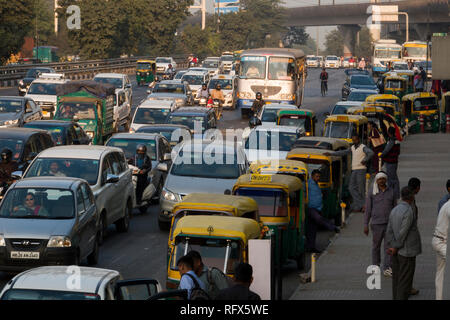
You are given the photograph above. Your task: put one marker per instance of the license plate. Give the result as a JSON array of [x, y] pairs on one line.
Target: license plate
[[24, 255]]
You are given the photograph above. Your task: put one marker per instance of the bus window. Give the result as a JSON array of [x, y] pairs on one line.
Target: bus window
[[281, 68], [253, 67]]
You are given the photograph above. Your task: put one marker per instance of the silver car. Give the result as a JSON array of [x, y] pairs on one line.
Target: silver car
[[106, 171], [172, 89], [16, 111], [196, 170], [48, 221]]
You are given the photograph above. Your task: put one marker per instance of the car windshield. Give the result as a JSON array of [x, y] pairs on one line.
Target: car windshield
[[211, 64], [340, 109], [143, 66], [281, 68], [271, 202], [117, 82], [42, 88], [179, 75], [32, 73], [421, 104], [393, 84], [169, 88], [58, 133], [400, 66], [212, 250], [271, 140], [359, 96], [163, 60], [151, 115], [334, 129], [193, 79], [226, 58], [362, 80], [253, 67], [332, 58], [295, 121], [35, 294], [10, 106], [38, 203], [226, 84], [269, 115], [86, 169], [197, 164], [14, 145], [189, 121], [129, 146], [69, 110]]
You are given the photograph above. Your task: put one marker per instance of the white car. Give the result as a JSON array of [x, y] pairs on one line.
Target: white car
[[43, 92], [124, 93], [152, 112], [332, 62], [228, 84], [195, 79], [162, 64], [268, 113], [106, 171], [270, 142], [212, 65], [312, 61], [61, 283]]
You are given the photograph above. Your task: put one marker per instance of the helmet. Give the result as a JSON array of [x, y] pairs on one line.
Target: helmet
[[253, 122], [141, 148], [258, 95], [170, 65], [6, 154]]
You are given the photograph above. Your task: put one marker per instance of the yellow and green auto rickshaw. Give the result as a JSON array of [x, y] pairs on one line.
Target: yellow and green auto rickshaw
[[394, 111], [145, 72], [371, 111], [421, 107], [445, 110], [301, 118], [334, 177], [344, 126], [281, 207], [408, 75], [222, 242], [395, 85]]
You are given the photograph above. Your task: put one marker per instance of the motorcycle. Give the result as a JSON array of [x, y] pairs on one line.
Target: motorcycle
[[203, 102], [192, 64], [217, 108], [147, 195]]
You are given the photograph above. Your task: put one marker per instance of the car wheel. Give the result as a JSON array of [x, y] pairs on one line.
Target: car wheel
[[92, 259], [102, 229], [123, 224]]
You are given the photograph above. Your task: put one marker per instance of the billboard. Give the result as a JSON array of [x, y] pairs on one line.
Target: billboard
[[226, 6], [441, 59]]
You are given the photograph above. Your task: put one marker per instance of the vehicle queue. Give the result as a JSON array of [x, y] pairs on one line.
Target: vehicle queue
[[260, 197]]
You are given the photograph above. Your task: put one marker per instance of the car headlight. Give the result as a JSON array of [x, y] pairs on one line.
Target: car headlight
[[132, 130], [90, 134], [2, 241], [59, 242], [168, 195], [138, 73], [148, 73], [11, 122]]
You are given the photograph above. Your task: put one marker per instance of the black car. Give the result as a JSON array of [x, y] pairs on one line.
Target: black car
[[194, 118], [25, 144], [62, 132], [349, 72], [31, 75], [166, 130], [358, 81]]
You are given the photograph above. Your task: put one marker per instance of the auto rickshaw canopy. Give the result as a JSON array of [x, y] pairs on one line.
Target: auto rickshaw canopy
[[358, 119], [275, 166], [416, 95], [325, 143], [365, 109], [151, 62], [218, 226], [274, 181], [234, 205], [309, 153], [300, 112]]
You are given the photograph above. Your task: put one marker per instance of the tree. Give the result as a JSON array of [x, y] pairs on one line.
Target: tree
[[309, 48], [15, 23], [295, 35], [364, 49], [334, 43]]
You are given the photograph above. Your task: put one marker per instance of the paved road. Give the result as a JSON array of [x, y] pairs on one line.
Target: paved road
[[142, 251]]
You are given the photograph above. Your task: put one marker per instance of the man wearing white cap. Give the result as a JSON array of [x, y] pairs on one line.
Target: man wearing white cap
[[380, 201]]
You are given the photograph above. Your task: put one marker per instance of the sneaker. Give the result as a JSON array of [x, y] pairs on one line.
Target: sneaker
[[388, 272], [414, 292]]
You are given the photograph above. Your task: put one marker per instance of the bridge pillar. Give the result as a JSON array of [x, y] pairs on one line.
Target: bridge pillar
[[349, 33]]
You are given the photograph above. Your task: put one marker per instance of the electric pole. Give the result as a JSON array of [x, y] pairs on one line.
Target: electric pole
[[202, 7]]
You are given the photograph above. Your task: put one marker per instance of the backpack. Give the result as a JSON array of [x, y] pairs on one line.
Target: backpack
[[214, 287], [197, 293]]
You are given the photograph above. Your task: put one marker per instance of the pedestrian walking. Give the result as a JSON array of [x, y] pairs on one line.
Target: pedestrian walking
[[444, 198], [213, 278], [376, 143], [243, 278], [189, 280], [439, 244], [361, 156], [380, 201], [314, 217], [418, 82], [414, 185], [390, 155], [404, 244]]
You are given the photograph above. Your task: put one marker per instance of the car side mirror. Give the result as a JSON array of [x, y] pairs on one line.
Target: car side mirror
[[112, 178], [162, 167], [167, 157], [325, 114], [28, 109], [17, 175], [128, 86]]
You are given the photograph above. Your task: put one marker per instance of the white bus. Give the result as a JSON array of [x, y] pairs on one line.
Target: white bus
[[385, 51]]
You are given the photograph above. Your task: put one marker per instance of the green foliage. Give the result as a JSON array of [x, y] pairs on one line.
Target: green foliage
[[364, 49], [295, 36], [309, 48], [334, 43], [15, 23]]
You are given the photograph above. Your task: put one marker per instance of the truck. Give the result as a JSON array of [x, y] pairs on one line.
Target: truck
[[46, 54], [89, 103]]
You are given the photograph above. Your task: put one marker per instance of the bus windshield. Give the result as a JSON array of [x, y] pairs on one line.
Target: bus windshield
[[253, 67], [281, 68], [415, 51]]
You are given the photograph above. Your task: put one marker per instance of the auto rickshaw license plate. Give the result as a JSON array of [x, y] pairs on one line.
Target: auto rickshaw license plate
[[261, 178]]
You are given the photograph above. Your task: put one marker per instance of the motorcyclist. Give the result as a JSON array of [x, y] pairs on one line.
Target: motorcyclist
[[257, 104], [203, 92], [252, 123], [7, 167], [143, 162], [169, 70], [324, 78], [217, 94]]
